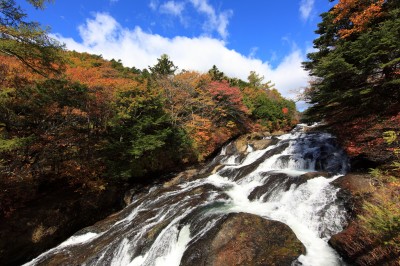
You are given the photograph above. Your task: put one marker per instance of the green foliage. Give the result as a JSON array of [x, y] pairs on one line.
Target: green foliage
[[270, 108], [215, 74], [381, 214], [122, 69], [164, 66], [390, 136], [382, 219], [256, 81], [140, 132], [47, 131], [11, 144]]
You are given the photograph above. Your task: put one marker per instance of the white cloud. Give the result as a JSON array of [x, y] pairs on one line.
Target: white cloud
[[215, 22], [104, 35], [306, 7], [103, 29], [253, 52], [153, 5], [172, 8]]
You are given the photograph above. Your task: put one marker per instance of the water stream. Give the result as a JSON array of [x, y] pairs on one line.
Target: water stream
[[281, 182]]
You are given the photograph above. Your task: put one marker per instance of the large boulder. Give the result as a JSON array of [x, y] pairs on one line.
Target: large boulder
[[257, 140], [245, 239], [353, 189]]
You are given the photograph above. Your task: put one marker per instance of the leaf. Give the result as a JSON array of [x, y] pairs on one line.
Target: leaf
[[390, 136]]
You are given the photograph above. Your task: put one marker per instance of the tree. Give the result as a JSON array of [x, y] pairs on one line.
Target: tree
[[164, 66], [356, 15], [27, 41], [142, 137], [228, 103], [215, 74], [255, 80], [356, 72]]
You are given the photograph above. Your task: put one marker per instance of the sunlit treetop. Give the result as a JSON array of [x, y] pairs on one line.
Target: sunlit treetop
[[356, 14]]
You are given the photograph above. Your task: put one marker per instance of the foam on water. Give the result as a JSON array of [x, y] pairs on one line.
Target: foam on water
[[309, 207]]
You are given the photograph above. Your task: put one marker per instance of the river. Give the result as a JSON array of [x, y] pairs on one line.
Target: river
[[289, 181]]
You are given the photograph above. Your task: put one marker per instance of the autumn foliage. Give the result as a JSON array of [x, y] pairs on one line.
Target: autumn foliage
[[356, 14], [102, 122]]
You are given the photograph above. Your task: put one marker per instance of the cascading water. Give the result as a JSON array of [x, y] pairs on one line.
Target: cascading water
[[278, 183]]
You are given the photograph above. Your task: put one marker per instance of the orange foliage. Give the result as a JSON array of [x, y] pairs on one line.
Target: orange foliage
[[358, 14], [15, 74]]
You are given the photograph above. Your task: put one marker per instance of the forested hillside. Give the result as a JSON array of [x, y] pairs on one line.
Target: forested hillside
[[77, 131], [355, 91], [100, 122]]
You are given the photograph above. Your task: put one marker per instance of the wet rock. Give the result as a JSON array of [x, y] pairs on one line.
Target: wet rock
[[241, 144], [257, 135], [356, 184], [245, 239], [262, 144], [181, 177], [274, 181], [311, 175], [121, 224], [239, 149], [278, 133], [258, 140], [237, 174], [353, 188], [132, 193], [281, 182]]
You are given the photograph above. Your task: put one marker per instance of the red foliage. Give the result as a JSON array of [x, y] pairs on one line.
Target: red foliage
[[227, 95]]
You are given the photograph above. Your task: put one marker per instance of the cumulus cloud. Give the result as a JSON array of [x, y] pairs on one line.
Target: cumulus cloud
[[215, 21], [172, 8], [306, 7], [135, 47]]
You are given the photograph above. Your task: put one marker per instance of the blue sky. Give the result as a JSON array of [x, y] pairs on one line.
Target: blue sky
[[270, 37]]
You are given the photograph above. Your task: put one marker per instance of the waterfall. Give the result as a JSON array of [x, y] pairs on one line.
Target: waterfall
[[289, 182]]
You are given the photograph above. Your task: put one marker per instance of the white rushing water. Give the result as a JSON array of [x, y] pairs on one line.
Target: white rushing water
[[274, 188], [308, 209]]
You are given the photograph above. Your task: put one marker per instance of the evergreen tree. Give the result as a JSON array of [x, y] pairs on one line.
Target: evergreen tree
[[215, 74], [163, 67], [356, 71]]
